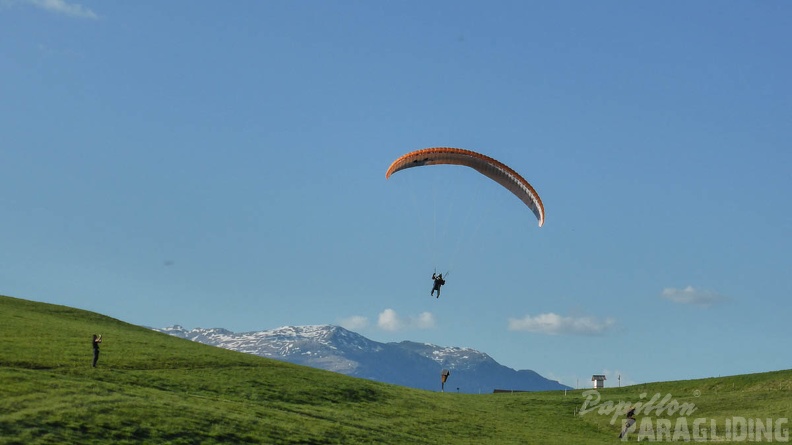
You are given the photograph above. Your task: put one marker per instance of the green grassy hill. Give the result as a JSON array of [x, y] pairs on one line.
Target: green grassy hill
[[153, 388]]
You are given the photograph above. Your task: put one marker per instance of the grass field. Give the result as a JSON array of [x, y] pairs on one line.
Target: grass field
[[154, 388]]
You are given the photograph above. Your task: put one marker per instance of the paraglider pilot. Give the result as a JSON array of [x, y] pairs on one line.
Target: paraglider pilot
[[443, 379], [438, 281], [628, 422]]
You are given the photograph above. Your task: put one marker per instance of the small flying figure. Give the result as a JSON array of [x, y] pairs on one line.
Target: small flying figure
[[438, 281]]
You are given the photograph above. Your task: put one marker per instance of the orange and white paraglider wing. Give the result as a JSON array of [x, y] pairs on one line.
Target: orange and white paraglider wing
[[489, 167]]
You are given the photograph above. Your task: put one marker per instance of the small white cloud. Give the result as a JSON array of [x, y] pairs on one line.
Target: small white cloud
[[691, 295], [389, 320], [354, 322], [424, 320], [555, 324], [62, 7]]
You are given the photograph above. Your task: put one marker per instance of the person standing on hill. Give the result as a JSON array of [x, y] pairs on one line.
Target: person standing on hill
[[96, 341]]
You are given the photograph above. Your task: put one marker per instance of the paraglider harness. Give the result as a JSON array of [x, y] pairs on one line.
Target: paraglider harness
[[438, 281]]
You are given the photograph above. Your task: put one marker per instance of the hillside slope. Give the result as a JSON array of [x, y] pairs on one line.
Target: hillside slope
[[154, 388]]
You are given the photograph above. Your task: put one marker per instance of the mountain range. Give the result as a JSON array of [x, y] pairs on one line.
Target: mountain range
[[406, 363]]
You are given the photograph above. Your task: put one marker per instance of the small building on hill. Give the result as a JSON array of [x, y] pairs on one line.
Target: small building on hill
[[599, 381]]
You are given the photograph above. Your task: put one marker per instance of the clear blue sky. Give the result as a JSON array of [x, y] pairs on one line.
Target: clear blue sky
[[216, 164]]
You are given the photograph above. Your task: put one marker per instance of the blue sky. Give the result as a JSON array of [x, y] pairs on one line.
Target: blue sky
[[223, 165]]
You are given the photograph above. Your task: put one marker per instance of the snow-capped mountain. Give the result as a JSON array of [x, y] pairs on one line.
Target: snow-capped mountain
[[411, 364]]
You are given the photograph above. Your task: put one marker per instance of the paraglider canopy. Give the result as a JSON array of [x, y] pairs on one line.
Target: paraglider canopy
[[487, 166]]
